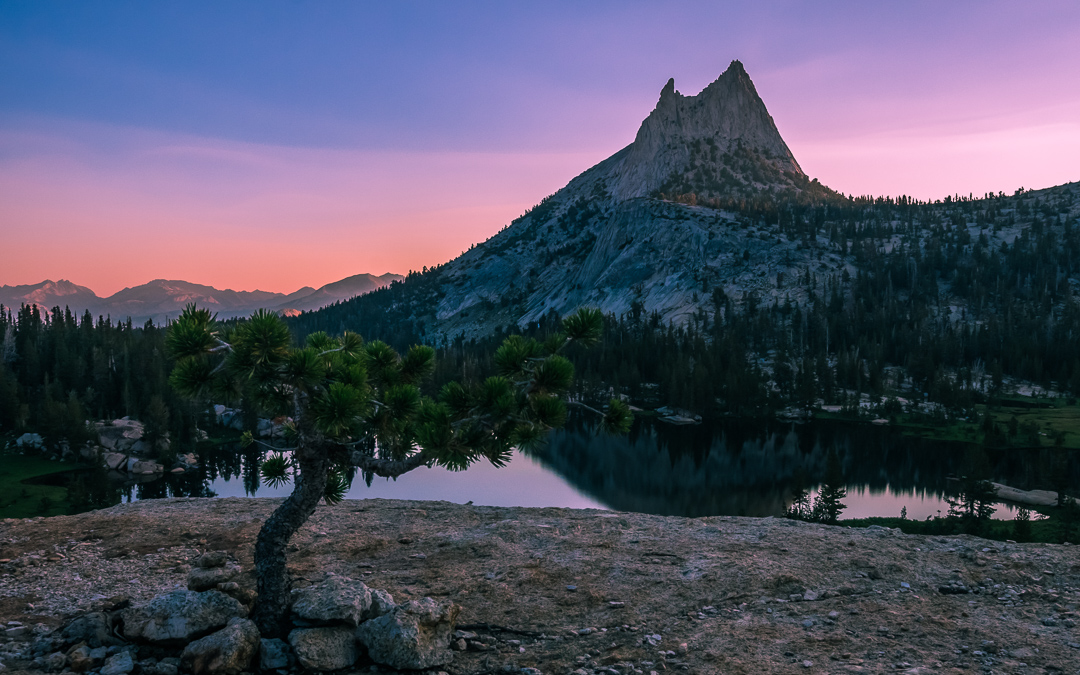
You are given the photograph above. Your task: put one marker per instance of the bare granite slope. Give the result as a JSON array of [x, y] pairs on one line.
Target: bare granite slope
[[584, 592]]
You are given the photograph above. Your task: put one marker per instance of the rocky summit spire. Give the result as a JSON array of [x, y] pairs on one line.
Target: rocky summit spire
[[722, 140]]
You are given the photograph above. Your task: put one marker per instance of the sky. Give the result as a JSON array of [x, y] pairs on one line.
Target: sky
[[273, 145]]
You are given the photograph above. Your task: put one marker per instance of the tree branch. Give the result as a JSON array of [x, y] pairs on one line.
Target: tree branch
[[582, 405], [273, 447], [387, 468]]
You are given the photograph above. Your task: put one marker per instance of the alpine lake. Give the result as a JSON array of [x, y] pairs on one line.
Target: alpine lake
[[726, 467]]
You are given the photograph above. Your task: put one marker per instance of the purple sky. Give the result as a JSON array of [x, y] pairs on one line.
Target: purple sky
[[274, 145]]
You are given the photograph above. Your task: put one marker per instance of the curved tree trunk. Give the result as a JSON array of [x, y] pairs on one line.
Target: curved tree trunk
[[271, 575]]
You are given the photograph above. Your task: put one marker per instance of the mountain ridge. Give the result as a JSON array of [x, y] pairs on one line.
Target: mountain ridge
[[707, 209], [617, 233], [161, 299]]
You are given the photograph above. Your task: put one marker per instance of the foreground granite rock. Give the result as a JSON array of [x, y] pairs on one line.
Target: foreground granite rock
[[335, 600], [327, 648], [226, 652], [415, 635], [716, 595], [180, 616]]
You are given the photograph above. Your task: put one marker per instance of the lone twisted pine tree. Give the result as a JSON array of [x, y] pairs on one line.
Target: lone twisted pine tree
[[358, 404]]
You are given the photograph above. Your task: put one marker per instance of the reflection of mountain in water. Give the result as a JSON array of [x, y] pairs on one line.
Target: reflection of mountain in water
[[749, 468]]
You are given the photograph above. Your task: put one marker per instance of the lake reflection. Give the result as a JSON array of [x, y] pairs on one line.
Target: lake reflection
[[719, 468], [750, 468]]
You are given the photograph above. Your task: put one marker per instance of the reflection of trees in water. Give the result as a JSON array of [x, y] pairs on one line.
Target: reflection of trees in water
[[749, 468], [225, 462]]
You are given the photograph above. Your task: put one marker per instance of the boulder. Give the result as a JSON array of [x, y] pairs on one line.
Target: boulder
[[415, 635], [140, 447], [145, 468], [264, 428], [93, 629], [115, 460], [206, 578], [119, 663], [227, 651], [29, 440], [232, 419], [129, 428], [180, 616], [335, 600], [88, 452], [327, 648], [274, 654]]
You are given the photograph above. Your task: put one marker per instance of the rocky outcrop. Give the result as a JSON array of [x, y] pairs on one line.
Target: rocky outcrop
[[119, 435], [206, 578], [725, 116]]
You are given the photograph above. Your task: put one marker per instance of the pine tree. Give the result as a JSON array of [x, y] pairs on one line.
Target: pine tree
[[1022, 525], [357, 404], [829, 504]]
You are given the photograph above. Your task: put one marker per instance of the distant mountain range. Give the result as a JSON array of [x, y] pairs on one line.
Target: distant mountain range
[[163, 299]]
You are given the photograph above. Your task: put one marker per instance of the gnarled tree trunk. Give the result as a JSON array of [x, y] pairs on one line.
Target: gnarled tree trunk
[[271, 575]]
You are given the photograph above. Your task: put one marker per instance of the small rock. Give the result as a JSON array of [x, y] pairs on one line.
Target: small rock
[[80, 660], [212, 559], [206, 578], [118, 664], [381, 603], [55, 661], [162, 668], [810, 596], [571, 588], [808, 664], [274, 654]]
